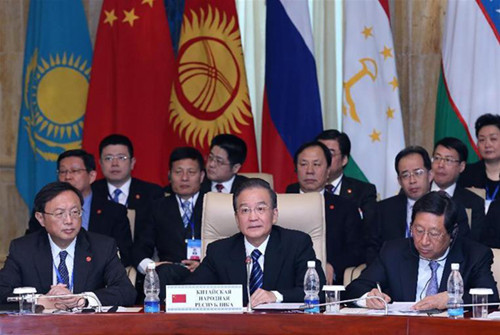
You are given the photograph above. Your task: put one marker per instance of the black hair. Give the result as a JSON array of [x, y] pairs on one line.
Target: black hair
[[455, 144], [326, 152], [235, 147], [186, 153], [88, 159], [52, 190], [255, 183], [438, 203], [414, 149], [115, 139], [487, 120], [340, 137]]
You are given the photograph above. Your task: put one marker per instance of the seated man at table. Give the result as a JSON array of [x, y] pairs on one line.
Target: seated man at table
[[417, 268], [63, 258], [279, 255]]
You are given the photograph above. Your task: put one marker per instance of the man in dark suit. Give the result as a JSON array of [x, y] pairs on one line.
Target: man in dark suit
[[417, 268], [344, 230], [413, 166], [117, 162], [78, 168], [279, 255], [448, 161], [174, 224], [63, 258], [227, 154]]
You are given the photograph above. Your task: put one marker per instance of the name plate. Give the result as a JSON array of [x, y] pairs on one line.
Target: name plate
[[204, 298]]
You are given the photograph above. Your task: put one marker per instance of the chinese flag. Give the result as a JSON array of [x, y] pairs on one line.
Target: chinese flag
[[131, 82], [178, 298], [210, 92]]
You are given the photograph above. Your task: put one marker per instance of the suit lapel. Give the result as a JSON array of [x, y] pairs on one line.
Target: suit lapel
[[82, 263], [455, 255], [408, 273], [273, 258], [236, 271], [346, 188], [43, 261]]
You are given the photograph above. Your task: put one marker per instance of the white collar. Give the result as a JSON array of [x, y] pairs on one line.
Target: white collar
[[125, 188], [450, 190], [227, 185]]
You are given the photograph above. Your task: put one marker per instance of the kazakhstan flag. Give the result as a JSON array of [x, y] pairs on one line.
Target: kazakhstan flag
[[57, 60]]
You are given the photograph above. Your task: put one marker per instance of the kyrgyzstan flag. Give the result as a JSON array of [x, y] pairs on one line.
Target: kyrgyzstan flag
[[210, 93], [130, 83]]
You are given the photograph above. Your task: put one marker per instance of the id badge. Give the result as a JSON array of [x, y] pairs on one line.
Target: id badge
[[193, 249]]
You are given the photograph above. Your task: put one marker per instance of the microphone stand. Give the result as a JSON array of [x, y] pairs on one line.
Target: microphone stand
[[248, 262], [307, 306]]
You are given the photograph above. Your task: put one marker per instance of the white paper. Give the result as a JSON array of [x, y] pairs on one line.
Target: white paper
[[280, 306]]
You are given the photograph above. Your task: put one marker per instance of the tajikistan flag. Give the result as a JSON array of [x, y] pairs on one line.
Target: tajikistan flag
[[469, 84], [371, 109]]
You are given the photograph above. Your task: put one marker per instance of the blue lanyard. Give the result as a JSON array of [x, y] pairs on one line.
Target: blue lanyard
[[494, 195], [59, 278]]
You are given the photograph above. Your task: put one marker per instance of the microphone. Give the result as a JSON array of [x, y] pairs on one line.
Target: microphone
[[30, 297], [248, 262], [307, 306]]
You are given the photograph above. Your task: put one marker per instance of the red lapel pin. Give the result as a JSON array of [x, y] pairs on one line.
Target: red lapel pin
[[88, 259], [332, 206], [349, 191], [137, 196], [99, 211]]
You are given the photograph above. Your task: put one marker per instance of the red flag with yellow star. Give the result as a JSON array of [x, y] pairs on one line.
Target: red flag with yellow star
[[210, 93], [130, 83]]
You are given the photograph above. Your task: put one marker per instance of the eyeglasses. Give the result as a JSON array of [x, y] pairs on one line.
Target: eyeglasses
[[60, 214], [418, 173], [419, 233], [217, 160], [70, 172], [110, 158], [446, 160], [259, 210]]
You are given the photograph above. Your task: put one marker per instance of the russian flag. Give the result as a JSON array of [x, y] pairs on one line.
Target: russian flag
[[292, 107]]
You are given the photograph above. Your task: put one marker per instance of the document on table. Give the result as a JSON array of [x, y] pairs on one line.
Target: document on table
[[280, 306], [396, 308]]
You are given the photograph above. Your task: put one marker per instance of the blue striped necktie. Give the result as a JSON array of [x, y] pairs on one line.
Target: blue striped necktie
[[257, 276], [116, 195], [188, 211], [63, 270]]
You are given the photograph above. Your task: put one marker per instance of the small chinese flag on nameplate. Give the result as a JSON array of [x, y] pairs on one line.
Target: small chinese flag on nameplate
[[178, 298]]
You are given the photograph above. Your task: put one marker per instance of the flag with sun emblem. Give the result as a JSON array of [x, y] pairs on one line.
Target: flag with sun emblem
[[57, 61], [210, 93], [130, 84], [371, 110]]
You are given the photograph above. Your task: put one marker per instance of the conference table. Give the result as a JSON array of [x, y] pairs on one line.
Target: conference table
[[255, 323]]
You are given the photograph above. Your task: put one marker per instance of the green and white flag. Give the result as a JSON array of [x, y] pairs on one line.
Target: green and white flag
[[371, 109], [469, 85]]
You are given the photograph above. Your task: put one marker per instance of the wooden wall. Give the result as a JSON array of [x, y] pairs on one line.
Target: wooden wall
[[417, 26]]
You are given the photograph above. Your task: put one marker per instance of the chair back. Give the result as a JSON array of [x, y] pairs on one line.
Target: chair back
[[265, 176], [495, 267]]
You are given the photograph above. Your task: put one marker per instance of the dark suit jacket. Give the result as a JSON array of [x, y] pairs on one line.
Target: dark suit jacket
[[491, 232], [474, 175], [285, 263], [96, 268], [471, 200], [140, 199], [206, 186], [165, 231], [344, 231], [106, 218], [391, 222], [396, 269]]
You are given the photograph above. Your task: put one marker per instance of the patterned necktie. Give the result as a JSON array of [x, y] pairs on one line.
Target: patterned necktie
[[63, 270], [329, 188], [219, 187], [257, 276], [116, 195], [188, 211], [432, 289]]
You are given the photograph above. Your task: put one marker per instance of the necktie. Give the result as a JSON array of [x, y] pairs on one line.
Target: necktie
[[432, 289], [63, 270], [219, 187], [116, 195], [257, 276], [329, 188], [186, 206]]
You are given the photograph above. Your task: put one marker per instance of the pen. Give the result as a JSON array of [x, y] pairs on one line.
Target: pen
[[378, 287]]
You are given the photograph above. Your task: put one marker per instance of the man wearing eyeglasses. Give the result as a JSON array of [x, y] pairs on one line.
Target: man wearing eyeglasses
[[448, 161], [63, 258], [227, 154], [417, 268], [279, 256], [78, 168], [413, 167]]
